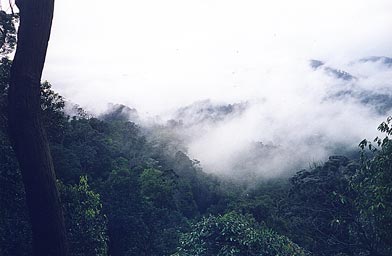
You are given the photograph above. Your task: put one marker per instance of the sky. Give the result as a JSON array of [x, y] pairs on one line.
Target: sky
[[157, 56]]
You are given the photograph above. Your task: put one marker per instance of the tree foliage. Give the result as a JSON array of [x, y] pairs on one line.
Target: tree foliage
[[320, 207], [234, 234], [85, 222], [373, 184], [7, 32]]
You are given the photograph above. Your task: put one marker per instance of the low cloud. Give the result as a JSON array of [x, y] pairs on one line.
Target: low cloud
[[320, 113], [250, 59]]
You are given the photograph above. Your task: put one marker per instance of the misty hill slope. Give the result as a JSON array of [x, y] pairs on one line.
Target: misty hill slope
[[351, 89], [337, 73], [272, 135], [207, 111], [261, 136], [120, 112], [387, 61], [135, 197]]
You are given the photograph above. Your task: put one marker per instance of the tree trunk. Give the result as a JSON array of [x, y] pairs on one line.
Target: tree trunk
[[26, 130]]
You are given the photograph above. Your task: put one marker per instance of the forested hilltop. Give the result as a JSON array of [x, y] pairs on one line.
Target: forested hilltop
[[124, 194]]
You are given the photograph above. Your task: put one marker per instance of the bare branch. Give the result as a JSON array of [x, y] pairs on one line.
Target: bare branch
[[11, 7]]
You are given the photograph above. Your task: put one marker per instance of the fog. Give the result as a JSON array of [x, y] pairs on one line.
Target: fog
[[293, 120], [161, 56]]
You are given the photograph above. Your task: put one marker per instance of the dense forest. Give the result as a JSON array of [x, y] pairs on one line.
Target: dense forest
[[126, 192]]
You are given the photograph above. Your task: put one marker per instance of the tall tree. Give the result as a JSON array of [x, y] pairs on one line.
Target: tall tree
[[26, 130]]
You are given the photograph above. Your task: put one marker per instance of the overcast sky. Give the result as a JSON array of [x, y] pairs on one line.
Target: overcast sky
[[156, 55]]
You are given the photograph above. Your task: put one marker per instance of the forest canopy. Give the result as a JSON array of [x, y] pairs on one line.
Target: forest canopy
[[124, 195]]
